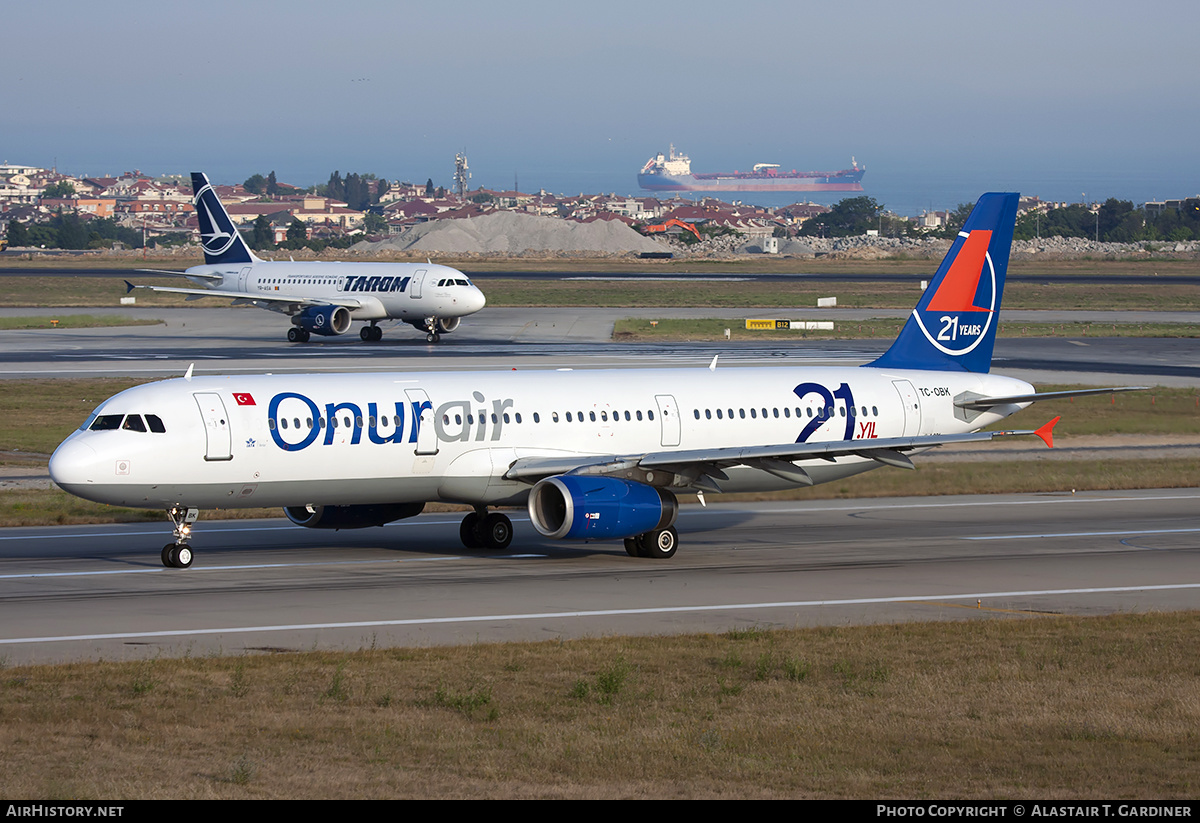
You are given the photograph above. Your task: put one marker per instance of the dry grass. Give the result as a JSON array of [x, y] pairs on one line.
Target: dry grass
[[1016, 708]]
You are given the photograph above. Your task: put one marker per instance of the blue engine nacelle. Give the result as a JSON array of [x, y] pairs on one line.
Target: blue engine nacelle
[[351, 517], [579, 507], [326, 320]]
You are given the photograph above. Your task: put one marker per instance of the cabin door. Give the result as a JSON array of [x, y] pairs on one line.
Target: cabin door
[[668, 415], [216, 426], [417, 280], [911, 404], [422, 416]]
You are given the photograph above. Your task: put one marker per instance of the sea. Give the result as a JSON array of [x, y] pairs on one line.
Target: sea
[[907, 191]]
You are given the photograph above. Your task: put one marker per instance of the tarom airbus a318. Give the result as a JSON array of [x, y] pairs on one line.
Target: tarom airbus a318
[[322, 298], [594, 455]]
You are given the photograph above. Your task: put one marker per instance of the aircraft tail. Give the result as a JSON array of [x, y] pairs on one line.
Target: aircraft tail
[[220, 238], [953, 327]]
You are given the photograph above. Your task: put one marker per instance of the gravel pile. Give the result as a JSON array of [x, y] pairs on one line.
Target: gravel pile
[[516, 234]]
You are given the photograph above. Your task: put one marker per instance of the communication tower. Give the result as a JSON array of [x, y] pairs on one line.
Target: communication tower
[[461, 175]]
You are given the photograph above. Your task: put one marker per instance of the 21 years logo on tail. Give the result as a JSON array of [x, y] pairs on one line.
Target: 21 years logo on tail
[[956, 317]]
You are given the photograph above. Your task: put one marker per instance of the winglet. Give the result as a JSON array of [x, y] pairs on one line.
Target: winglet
[[188, 374], [1046, 432], [713, 365], [129, 287]]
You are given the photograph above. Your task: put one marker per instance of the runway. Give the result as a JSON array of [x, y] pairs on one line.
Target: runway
[[237, 341], [93, 592]]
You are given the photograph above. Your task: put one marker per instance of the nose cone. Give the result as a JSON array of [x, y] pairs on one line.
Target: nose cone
[[73, 465], [474, 301]]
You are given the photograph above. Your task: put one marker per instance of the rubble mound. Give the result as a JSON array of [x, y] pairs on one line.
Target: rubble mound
[[515, 233]]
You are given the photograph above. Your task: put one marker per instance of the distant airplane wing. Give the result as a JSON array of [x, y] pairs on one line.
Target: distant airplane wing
[[703, 468], [241, 296]]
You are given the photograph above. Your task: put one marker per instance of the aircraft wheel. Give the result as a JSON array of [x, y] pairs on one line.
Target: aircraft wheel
[[432, 337], [365, 333], [497, 531], [661, 544], [177, 555], [294, 335], [468, 532], [631, 547], [376, 334]]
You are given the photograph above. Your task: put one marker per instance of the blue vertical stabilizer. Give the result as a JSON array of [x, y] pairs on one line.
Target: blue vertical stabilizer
[[953, 327], [220, 238]]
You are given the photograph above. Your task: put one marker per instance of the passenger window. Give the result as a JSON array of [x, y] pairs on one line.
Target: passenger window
[[133, 423], [107, 422]]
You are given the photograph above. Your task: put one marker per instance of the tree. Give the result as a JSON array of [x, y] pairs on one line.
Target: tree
[[374, 223], [849, 217], [429, 187], [255, 184], [262, 237], [297, 234], [18, 235], [272, 184], [58, 190]]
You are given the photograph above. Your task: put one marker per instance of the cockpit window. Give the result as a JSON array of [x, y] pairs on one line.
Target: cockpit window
[[106, 422], [132, 422]]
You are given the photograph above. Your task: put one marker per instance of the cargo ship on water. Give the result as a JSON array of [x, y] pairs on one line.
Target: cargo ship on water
[[673, 172]]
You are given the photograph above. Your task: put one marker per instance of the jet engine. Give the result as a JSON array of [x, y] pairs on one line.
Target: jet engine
[[448, 324], [326, 320], [580, 507], [350, 517]]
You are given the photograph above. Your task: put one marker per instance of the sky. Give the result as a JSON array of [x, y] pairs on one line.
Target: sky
[[936, 99]]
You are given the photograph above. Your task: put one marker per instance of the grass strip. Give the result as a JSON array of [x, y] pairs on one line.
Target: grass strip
[[999, 703], [74, 321]]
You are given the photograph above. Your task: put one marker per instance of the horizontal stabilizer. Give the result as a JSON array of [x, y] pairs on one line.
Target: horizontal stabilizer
[[983, 403]]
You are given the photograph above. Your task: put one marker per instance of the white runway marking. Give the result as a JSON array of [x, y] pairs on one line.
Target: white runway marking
[[431, 621], [1079, 534]]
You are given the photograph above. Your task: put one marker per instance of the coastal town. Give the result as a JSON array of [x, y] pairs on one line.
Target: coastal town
[[48, 208]]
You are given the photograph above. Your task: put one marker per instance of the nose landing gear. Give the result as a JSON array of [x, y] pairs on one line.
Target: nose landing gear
[[178, 555]]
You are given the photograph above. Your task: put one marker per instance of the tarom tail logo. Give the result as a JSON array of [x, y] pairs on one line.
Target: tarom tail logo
[[952, 320], [215, 240]]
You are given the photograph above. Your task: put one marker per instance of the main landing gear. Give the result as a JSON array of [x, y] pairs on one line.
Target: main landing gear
[[658, 545], [178, 555], [298, 335], [480, 530], [371, 333]]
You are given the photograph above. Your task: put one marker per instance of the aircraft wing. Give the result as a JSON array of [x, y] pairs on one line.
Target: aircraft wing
[[243, 297], [703, 467]]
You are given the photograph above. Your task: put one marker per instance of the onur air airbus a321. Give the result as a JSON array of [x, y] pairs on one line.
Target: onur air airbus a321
[[595, 455], [322, 298]]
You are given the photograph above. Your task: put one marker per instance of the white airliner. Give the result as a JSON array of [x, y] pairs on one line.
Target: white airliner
[[595, 455], [322, 298]]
